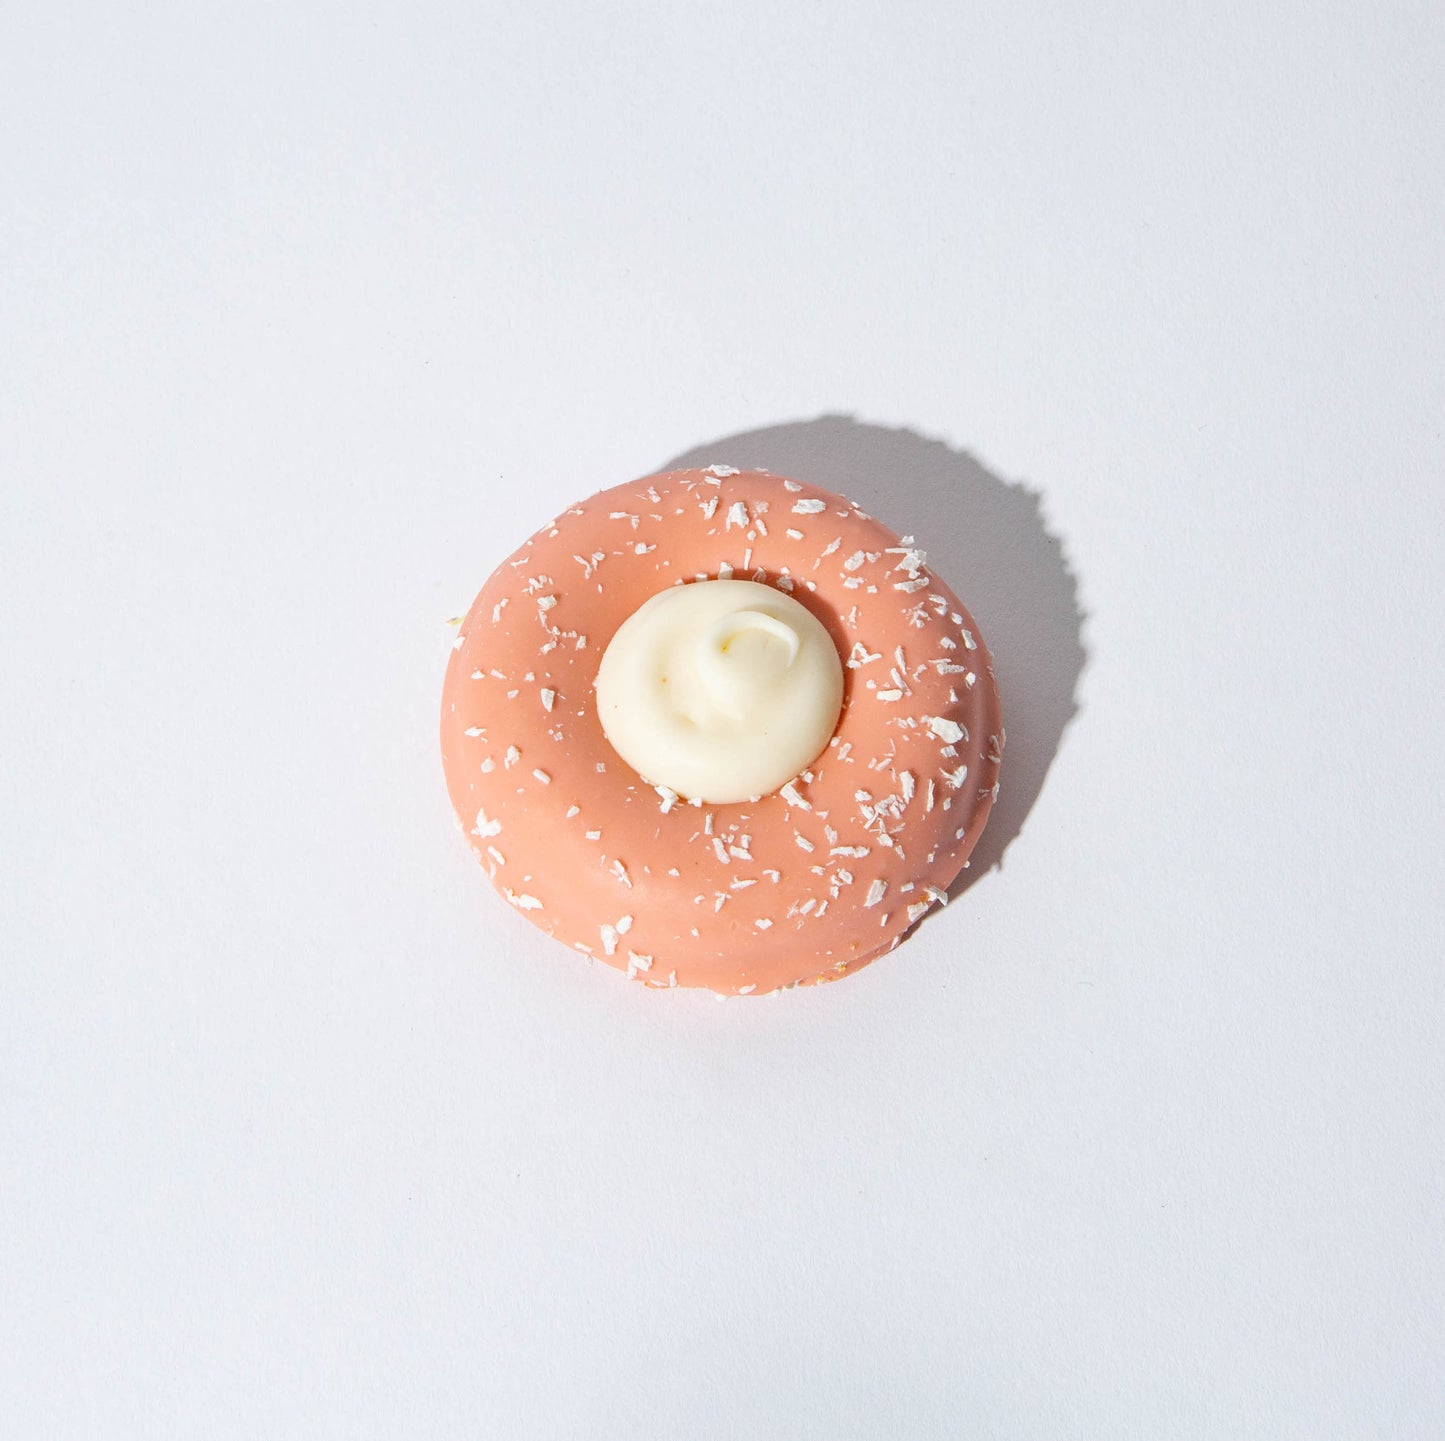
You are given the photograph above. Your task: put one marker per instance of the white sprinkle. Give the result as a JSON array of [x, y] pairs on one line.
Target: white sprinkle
[[853, 852], [909, 586], [709, 507], [642, 549], [573, 811], [592, 835], [496, 855], [669, 797], [943, 728], [488, 766], [549, 699], [928, 804], [747, 990], [939, 897], [792, 485], [890, 695], [475, 731], [793, 534], [854, 561], [722, 470], [620, 871], [546, 602], [790, 794], [609, 940], [809, 507], [762, 923], [832, 544], [741, 884], [969, 643], [722, 852], [485, 827], [543, 777], [737, 516], [876, 891], [497, 610], [804, 843], [956, 778], [624, 925], [916, 909], [524, 903]]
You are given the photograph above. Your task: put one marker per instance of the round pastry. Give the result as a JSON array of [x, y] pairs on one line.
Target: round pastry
[[720, 728]]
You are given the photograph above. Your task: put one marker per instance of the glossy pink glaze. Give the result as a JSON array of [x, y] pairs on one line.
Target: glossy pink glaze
[[804, 885]]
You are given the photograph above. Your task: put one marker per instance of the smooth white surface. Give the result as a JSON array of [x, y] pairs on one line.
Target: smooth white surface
[[721, 690], [307, 315]]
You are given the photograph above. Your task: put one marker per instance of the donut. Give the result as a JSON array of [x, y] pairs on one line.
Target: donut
[[600, 658]]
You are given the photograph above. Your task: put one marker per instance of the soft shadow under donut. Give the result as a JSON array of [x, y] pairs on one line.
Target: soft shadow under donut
[[988, 539]]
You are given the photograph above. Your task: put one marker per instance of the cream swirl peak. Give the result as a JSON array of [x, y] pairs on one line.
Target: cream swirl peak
[[720, 690]]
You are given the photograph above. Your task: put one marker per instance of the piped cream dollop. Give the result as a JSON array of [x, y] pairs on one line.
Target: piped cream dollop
[[720, 690]]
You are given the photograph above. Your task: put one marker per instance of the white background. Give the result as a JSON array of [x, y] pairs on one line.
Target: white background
[[308, 315]]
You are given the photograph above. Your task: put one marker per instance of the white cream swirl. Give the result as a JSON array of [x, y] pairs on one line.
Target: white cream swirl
[[720, 690]]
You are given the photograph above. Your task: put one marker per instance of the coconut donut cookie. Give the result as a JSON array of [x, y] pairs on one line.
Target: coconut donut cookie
[[719, 728]]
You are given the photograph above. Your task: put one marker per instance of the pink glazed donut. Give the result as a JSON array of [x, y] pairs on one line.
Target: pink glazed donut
[[803, 885]]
